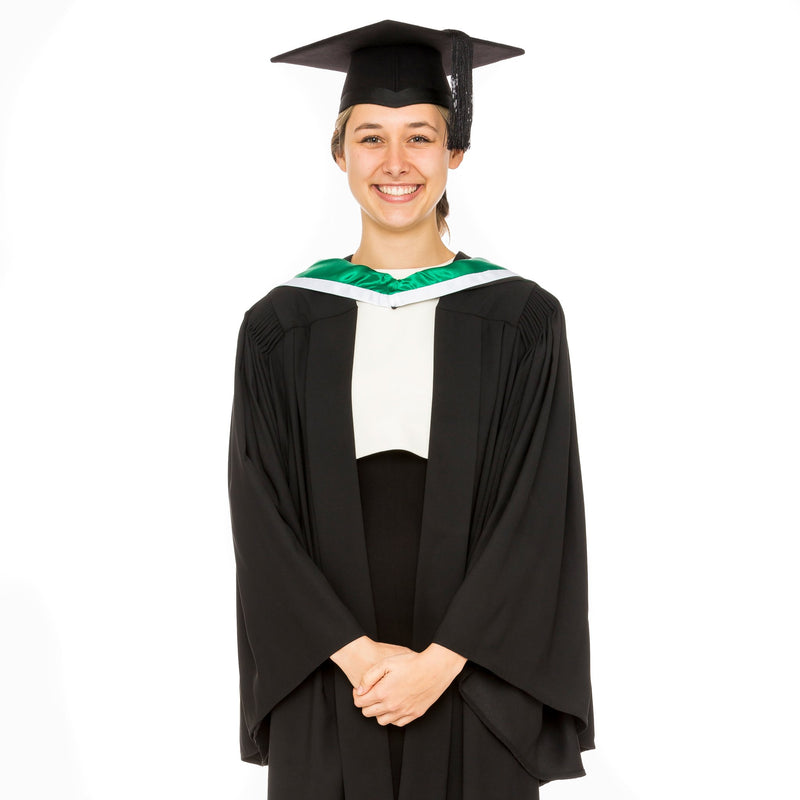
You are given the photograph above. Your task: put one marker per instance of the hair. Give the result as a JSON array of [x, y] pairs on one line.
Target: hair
[[337, 150]]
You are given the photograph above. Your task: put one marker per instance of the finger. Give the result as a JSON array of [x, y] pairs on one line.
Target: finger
[[365, 700], [367, 697], [370, 678], [375, 710]]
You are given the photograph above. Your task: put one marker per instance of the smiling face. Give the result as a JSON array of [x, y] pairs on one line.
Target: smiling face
[[396, 162]]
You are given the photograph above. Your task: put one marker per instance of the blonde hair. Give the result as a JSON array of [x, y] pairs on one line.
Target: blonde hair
[[337, 151]]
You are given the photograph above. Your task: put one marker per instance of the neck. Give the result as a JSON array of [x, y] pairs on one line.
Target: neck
[[382, 249]]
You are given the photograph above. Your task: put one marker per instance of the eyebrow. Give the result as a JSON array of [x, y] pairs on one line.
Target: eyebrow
[[375, 126]]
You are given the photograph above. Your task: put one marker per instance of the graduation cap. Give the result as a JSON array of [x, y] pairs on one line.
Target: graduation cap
[[396, 64]]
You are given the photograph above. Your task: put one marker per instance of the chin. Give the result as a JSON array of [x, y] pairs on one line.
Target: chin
[[400, 219], [400, 226]]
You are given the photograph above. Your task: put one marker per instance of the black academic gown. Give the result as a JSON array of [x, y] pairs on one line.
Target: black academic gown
[[501, 573]]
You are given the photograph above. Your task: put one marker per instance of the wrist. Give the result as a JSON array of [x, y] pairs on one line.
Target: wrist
[[444, 658], [357, 649]]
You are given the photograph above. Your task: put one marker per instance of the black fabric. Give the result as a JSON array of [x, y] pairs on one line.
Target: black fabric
[[393, 69], [396, 64], [392, 487], [501, 573], [335, 52]]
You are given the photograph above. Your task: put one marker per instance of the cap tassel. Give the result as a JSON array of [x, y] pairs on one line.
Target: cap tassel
[[461, 91]]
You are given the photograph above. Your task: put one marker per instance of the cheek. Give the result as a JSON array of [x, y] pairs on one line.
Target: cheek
[[440, 167], [362, 162]]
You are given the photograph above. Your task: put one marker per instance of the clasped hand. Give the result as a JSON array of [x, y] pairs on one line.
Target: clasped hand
[[400, 688]]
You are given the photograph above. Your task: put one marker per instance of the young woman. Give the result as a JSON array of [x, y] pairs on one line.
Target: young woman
[[404, 479]]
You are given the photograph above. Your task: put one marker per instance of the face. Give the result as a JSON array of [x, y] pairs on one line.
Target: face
[[396, 162]]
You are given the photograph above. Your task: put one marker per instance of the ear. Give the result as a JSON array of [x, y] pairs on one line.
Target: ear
[[341, 162], [456, 157]]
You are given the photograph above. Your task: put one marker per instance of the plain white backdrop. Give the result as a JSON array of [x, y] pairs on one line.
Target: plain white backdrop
[[158, 175]]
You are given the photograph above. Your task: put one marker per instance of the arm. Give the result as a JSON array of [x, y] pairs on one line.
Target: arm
[[520, 616], [289, 618]]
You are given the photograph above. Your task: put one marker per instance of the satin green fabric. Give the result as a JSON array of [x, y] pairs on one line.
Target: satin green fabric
[[342, 271]]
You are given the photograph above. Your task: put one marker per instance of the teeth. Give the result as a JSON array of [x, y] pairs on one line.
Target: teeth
[[398, 190]]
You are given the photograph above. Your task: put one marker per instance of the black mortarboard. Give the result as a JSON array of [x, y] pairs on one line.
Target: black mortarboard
[[395, 64]]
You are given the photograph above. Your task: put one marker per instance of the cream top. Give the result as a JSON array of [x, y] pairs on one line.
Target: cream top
[[392, 382]]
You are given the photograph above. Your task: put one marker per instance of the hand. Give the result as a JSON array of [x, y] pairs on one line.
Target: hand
[[385, 650], [358, 656], [401, 688]]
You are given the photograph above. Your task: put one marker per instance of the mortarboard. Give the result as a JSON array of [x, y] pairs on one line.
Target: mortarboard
[[396, 64]]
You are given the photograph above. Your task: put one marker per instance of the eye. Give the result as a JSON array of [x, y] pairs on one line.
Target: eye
[[369, 139], [420, 138]]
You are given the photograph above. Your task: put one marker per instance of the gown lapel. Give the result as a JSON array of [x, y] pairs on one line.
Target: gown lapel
[[339, 530], [444, 536]]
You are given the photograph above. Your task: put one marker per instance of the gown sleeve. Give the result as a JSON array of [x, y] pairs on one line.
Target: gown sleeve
[[520, 616], [289, 618]]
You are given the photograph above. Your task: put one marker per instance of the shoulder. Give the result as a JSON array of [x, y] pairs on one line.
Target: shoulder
[[284, 308], [518, 301], [542, 310]]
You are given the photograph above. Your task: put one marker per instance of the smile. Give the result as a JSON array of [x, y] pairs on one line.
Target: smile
[[397, 191], [394, 194]]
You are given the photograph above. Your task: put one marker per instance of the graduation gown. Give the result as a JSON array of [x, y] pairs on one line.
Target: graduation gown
[[501, 570]]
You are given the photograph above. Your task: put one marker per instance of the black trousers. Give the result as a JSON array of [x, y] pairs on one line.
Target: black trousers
[[392, 484]]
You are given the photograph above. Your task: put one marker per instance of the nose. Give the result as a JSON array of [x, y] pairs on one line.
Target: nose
[[395, 163]]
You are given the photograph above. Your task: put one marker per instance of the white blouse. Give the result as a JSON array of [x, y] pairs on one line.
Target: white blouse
[[392, 383]]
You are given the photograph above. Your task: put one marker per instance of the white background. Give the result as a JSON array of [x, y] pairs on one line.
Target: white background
[[159, 175]]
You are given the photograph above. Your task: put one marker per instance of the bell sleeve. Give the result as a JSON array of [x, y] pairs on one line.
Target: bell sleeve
[[289, 618], [520, 617]]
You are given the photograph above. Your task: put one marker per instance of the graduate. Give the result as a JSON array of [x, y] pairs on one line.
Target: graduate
[[404, 478]]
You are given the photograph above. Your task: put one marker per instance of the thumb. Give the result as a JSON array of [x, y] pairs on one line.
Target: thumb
[[365, 682], [369, 678]]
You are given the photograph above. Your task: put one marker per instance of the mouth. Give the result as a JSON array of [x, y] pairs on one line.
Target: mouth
[[397, 192]]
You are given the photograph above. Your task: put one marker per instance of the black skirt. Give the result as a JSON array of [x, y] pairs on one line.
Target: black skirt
[[392, 484]]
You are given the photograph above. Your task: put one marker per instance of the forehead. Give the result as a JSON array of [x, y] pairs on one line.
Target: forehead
[[365, 113]]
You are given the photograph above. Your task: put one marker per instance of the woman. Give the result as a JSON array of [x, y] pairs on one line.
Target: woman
[[404, 479]]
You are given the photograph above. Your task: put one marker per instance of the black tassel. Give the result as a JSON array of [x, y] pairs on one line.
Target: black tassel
[[461, 91]]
